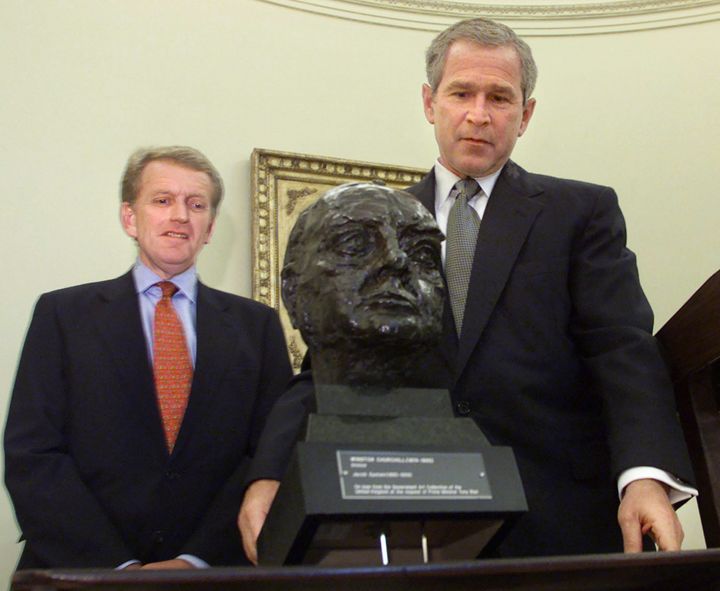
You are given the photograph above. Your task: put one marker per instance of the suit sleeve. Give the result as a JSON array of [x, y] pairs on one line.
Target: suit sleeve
[[612, 325], [62, 521], [283, 429], [217, 540]]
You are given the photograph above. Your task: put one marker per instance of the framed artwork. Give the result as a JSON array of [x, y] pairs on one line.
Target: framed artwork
[[283, 185]]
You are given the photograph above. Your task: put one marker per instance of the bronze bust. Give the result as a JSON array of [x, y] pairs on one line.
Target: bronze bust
[[362, 282]]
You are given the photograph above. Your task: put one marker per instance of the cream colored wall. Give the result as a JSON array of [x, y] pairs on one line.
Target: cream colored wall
[[86, 82]]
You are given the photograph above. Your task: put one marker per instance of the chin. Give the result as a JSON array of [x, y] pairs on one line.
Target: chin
[[473, 166]]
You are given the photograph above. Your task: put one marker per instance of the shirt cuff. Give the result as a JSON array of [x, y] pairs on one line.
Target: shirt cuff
[[679, 490], [194, 560], [126, 564]]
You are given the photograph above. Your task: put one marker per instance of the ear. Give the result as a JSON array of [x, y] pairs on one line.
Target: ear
[[428, 106], [527, 114], [127, 219], [288, 289], [210, 231]]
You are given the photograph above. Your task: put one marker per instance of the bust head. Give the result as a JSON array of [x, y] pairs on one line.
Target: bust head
[[362, 282]]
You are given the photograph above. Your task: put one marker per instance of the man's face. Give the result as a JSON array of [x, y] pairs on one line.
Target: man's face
[[171, 218], [477, 109], [371, 273]]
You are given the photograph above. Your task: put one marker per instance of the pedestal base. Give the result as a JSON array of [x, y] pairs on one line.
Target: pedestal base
[[337, 499]]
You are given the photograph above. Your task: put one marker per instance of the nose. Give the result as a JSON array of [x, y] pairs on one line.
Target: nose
[[396, 257], [478, 112], [179, 211]]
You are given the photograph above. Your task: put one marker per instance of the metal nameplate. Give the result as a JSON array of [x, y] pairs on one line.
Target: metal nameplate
[[389, 475]]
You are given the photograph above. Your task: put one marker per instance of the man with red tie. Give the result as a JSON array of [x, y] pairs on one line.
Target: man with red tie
[[138, 401]]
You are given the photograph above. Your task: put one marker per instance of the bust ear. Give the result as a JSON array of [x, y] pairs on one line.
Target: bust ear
[[288, 291]]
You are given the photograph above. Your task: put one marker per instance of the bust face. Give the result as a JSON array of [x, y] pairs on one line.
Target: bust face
[[366, 270]]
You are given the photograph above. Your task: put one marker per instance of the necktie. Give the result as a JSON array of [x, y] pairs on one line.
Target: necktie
[[171, 364], [462, 231]]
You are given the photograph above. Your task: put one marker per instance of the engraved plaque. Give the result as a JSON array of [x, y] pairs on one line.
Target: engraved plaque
[[400, 475]]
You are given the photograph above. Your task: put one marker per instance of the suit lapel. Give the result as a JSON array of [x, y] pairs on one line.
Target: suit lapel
[[424, 191], [510, 213], [216, 335], [117, 317]]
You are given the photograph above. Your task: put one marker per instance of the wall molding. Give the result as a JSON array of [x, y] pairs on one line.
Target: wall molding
[[540, 18]]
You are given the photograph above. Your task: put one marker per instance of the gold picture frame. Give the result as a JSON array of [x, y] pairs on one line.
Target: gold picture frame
[[283, 184]]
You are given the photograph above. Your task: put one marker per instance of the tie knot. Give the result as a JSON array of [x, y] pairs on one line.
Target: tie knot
[[467, 188], [168, 288]]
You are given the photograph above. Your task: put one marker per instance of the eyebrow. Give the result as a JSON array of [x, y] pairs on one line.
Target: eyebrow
[[343, 219], [490, 87], [172, 193], [460, 85], [424, 231]]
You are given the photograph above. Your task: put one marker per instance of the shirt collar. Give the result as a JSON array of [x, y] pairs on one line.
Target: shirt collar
[[186, 281], [444, 181]]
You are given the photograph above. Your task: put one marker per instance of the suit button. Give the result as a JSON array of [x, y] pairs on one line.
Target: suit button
[[158, 537], [463, 407]]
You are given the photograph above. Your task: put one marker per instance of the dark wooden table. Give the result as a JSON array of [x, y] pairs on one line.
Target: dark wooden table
[[673, 571]]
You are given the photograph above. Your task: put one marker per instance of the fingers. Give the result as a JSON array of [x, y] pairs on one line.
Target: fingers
[[631, 533], [646, 510], [256, 504], [668, 536], [175, 563], [249, 532]]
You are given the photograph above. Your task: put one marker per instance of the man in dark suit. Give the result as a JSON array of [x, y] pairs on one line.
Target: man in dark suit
[[547, 341], [106, 467]]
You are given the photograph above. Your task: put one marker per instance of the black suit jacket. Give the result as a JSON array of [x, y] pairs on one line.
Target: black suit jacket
[[85, 458], [556, 360]]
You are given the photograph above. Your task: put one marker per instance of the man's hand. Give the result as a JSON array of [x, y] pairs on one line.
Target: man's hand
[[256, 504], [645, 509], [175, 563]]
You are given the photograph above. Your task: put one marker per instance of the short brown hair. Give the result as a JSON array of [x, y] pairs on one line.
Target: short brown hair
[[483, 32], [181, 155]]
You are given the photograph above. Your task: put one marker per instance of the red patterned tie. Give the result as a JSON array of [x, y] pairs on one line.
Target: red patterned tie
[[172, 364]]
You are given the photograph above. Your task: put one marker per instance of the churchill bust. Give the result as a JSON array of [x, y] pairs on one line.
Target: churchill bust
[[362, 282]]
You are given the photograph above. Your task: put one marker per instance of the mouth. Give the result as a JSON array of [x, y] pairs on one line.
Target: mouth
[[179, 235], [476, 141], [390, 300]]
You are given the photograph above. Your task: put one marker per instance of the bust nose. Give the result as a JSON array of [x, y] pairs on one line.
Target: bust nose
[[396, 257]]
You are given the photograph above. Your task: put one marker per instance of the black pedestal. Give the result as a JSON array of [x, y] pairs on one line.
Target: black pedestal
[[337, 500], [393, 479]]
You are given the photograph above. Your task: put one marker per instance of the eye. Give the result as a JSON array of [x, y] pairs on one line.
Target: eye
[[160, 200], [499, 98], [426, 254], [198, 204], [355, 242]]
